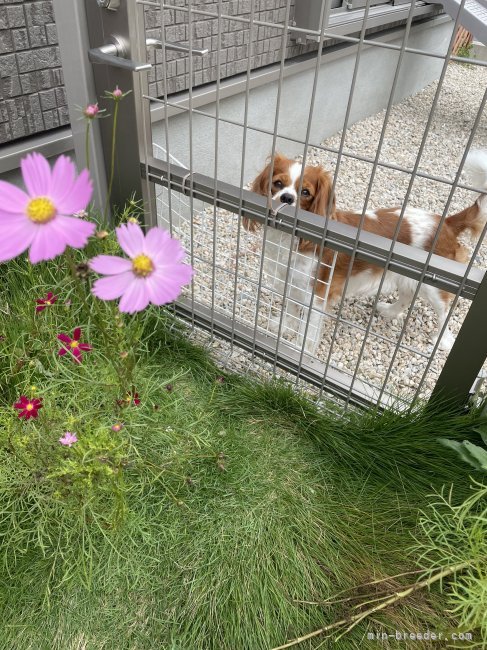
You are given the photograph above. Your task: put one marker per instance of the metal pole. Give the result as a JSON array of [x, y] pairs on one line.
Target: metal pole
[[124, 27], [79, 83], [467, 355]]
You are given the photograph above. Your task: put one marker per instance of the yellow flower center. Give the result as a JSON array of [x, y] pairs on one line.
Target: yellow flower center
[[29, 407], [74, 344], [41, 210], [142, 265]]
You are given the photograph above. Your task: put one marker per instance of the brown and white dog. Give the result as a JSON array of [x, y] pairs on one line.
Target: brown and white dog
[[418, 228]]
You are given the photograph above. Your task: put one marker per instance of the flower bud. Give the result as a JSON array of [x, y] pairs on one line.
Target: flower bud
[[91, 111]]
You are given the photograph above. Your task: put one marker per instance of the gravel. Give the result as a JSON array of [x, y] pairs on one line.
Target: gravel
[[413, 369]]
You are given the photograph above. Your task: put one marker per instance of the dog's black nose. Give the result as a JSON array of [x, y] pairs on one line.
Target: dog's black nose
[[287, 198]]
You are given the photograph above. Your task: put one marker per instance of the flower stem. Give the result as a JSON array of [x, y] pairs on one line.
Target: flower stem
[[112, 162], [87, 144], [352, 621]]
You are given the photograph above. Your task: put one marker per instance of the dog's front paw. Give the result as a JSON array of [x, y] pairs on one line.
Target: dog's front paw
[[273, 324], [389, 311], [446, 342]]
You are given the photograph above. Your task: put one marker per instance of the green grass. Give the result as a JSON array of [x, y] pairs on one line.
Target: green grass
[[218, 509]]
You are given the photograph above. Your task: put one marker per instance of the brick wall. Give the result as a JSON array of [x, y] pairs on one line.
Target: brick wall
[[32, 97], [266, 45]]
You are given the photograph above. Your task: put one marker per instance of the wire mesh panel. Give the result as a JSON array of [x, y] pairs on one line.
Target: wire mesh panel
[[314, 289]]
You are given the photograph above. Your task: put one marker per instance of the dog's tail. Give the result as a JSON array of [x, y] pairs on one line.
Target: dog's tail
[[474, 217]]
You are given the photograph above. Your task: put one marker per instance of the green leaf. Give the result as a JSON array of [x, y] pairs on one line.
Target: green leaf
[[460, 449], [479, 453], [482, 429]]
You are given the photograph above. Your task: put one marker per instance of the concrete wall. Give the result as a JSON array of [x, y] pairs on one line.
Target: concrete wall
[[32, 97], [376, 72]]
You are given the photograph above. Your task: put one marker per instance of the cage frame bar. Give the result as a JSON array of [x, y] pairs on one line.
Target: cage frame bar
[[441, 272]]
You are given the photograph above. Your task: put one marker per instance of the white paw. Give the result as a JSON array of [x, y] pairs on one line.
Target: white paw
[[310, 344], [447, 341], [273, 325], [311, 347], [388, 311]]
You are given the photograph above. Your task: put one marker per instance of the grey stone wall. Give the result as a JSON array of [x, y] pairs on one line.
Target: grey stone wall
[[265, 48], [32, 97]]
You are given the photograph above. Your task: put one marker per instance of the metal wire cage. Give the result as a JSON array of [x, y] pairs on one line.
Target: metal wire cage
[[248, 285]]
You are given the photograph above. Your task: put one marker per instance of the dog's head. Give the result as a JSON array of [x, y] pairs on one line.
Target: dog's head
[[284, 185]]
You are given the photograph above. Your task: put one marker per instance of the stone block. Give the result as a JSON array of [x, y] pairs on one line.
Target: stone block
[[11, 86], [20, 39], [63, 113], [181, 66], [177, 33], [244, 7], [61, 99], [57, 78], [5, 133], [6, 42], [228, 39], [39, 13], [37, 36], [202, 29], [51, 119], [16, 16], [51, 33], [28, 81], [18, 128], [8, 65], [47, 99], [15, 108], [47, 57], [31, 125], [44, 79], [26, 61], [3, 18], [152, 19]]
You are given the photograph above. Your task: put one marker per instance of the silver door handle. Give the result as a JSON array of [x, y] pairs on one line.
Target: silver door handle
[[114, 54], [177, 47]]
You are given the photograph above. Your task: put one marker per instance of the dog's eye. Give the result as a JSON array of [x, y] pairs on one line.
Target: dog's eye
[[305, 192], [279, 184]]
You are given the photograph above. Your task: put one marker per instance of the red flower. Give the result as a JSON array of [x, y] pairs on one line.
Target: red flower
[[131, 398], [42, 303], [28, 407], [73, 345]]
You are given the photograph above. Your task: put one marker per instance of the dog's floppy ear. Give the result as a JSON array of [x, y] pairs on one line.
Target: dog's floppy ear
[[323, 202], [261, 183]]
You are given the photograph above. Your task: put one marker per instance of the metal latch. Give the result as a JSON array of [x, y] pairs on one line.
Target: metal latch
[[114, 54], [177, 47]]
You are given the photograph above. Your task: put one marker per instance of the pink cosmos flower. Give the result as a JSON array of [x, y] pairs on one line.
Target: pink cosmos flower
[[117, 427], [28, 408], [91, 111], [117, 93], [39, 218], [49, 300], [68, 439], [73, 345], [154, 274]]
